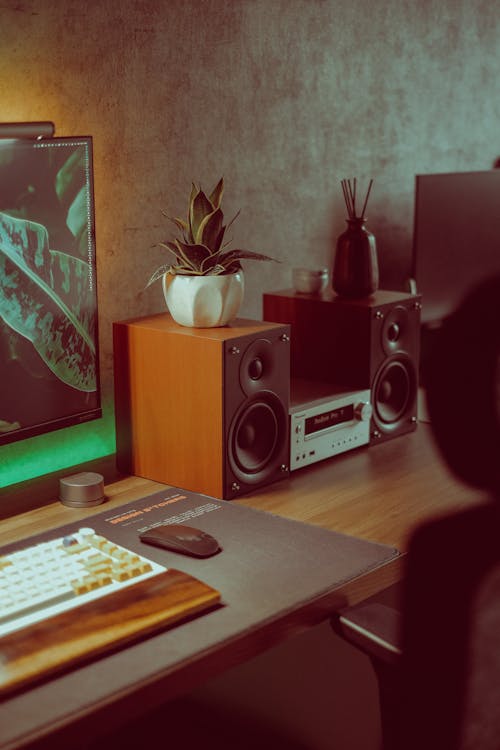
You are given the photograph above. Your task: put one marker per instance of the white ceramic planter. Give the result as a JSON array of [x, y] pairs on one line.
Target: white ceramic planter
[[204, 301]]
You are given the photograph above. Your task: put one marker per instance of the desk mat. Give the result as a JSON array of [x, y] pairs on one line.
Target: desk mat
[[269, 567], [60, 641]]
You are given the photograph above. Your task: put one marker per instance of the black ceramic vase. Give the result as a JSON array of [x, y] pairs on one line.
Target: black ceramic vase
[[355, 266]]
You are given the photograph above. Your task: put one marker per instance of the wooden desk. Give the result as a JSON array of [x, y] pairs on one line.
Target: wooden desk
[[377, 493]]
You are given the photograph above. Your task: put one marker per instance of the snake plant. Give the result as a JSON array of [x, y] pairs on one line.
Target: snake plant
[[201, 250]]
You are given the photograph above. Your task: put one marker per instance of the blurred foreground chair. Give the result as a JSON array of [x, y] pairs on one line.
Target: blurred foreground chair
[[437, 660]]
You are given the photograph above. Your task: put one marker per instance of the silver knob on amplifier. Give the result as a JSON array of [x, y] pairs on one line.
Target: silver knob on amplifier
[[363, 411]]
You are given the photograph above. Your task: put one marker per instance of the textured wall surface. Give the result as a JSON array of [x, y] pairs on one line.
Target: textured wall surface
[[282, 97]]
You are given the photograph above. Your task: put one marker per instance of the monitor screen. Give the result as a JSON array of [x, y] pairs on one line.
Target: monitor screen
[[49, 374], [456, 241]]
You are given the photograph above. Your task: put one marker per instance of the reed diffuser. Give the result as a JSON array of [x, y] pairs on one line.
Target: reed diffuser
[[355, 266]]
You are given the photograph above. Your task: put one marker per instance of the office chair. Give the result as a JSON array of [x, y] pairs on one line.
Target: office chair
[[437, 660]]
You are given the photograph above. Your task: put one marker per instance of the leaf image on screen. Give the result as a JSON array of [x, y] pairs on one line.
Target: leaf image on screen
[[48, 308]]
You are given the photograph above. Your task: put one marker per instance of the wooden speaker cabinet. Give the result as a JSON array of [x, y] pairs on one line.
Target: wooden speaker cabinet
[[204, 409], [372, 342]]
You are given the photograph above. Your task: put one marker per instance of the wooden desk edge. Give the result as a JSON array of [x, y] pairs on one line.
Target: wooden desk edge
[[188, 674]]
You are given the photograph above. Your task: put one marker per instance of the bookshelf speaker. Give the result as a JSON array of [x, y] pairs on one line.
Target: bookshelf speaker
[[367, 343], [204, 409]]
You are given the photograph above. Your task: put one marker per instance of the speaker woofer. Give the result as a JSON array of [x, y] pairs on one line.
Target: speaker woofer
[[394, 393], [256, 437]]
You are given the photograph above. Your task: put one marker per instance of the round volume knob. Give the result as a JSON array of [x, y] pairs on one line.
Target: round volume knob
[[363, 411], [82, 490]]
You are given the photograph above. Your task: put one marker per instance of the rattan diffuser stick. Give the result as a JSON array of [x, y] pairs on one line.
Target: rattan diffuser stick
[[349, 190]]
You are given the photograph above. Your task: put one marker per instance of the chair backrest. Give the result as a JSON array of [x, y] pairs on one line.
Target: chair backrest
[[481, 723], [450, 697], [463, 388]]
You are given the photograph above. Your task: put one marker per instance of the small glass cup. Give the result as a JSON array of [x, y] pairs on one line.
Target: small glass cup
[[309, 281]]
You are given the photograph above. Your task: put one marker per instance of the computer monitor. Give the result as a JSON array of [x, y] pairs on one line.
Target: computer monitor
[[456, 241], [49, 369]]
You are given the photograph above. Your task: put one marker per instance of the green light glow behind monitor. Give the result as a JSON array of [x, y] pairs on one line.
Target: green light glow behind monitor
[[54, 451], [49, 365]]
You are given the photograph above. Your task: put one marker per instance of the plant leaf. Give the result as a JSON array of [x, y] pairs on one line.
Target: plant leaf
[[215, 197], [194, 190], [216, 270], [220, 237], [180, 224], [199, 207], [171, 246], [48, 298], [210, 262], [209, 230], [233, 255], [184, 271], [166, 268], [234, 266], [193, 255], [233, 219]]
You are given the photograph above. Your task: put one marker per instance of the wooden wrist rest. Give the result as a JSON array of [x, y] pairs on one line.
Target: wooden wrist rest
[[69, 638]]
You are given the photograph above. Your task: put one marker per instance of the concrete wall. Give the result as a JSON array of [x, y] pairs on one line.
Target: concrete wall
[[282, 97]]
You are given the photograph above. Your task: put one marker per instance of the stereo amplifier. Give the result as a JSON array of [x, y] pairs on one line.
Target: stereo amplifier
[[326, 421]]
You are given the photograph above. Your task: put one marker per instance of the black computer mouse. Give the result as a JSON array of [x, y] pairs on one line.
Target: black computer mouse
[[183, 539]]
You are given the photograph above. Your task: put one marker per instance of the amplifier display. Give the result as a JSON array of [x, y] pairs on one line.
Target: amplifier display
[[326, 421]]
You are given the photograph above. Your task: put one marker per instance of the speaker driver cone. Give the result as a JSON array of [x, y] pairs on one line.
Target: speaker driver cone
[[394, 392], [256, 438]]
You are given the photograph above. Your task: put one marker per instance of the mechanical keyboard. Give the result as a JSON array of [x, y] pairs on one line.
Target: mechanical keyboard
[[74, 597], [54, 576]]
